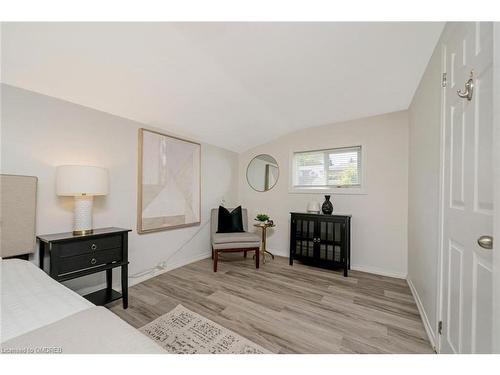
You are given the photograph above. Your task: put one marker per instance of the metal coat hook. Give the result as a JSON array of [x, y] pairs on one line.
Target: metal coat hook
[[469, 88]]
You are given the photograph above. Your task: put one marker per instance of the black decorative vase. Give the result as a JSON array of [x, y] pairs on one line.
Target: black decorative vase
[[327, 206]]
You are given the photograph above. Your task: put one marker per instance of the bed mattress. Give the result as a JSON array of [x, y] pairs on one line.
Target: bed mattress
[[91, 331], [30, 299]]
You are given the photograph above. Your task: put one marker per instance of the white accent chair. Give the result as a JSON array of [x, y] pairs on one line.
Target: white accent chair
[[233, 242]]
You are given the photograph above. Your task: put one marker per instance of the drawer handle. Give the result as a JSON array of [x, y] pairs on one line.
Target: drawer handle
[[94, 246], [93, 261]]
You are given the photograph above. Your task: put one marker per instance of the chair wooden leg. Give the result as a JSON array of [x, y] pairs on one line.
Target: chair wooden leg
[[245, 254], [257, 254], [216, 258], [212, 253]]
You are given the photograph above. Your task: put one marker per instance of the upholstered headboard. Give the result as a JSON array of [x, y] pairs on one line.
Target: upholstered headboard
[[17, 214]]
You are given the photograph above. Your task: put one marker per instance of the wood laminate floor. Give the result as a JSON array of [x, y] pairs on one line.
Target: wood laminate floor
[[298, 309]]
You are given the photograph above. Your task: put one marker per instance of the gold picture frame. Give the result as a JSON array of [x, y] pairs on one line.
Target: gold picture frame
[[168, 182]]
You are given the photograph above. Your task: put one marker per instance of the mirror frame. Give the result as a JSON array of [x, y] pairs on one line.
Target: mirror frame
[[277, 179]]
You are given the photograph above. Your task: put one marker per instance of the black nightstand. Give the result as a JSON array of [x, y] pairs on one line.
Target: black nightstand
[[73, 256]]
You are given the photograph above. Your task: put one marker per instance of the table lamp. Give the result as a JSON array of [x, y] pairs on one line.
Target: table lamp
[[82, 182]]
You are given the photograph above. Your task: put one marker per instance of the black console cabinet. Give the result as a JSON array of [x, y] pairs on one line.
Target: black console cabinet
[[321, 240]]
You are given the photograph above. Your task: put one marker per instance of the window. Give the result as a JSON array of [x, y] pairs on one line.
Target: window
[[323, 169]]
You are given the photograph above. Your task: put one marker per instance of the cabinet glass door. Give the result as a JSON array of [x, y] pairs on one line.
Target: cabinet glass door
[[304, 237], [330, 241]]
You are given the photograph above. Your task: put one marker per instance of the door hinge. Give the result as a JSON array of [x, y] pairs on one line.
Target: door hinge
[[440, 327], [444, 80]]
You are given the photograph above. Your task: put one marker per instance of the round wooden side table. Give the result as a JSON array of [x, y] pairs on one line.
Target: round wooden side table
[[263, 250]]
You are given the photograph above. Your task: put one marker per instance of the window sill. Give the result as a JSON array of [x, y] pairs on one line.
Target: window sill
[[331, 191]]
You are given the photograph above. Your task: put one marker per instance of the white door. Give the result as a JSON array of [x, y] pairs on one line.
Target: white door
[[496, 148], [467, 310]]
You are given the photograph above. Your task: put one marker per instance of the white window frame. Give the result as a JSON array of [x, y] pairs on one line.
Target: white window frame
[[354, 190]]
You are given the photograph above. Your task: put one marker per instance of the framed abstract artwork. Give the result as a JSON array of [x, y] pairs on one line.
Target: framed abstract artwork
[[169, 182]]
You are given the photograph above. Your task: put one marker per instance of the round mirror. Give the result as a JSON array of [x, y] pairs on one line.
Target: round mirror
[[262, 172]]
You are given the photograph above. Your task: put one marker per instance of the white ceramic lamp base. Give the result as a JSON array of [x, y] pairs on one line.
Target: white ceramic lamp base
[[83, 214]]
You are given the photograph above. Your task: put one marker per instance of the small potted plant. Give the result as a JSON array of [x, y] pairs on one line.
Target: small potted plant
[[262, 218]]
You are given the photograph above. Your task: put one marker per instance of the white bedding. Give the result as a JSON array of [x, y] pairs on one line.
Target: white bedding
[[30, 299], [91, 331]]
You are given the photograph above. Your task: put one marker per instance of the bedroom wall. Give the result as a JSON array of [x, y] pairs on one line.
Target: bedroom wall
[[40, 132], [379, 222], [423, 184]]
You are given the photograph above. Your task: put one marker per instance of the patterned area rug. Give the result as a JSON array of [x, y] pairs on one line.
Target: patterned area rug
[[182, 331]]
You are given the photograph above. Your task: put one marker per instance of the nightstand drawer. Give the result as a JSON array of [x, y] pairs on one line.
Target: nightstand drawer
[[79, 262], [85, 247]]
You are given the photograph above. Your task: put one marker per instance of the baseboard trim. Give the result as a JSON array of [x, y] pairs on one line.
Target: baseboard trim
[[423, 315], [378, 271]]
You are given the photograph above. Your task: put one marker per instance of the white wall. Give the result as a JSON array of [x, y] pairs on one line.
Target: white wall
[[379, 218], [423, 195], [40, 132]]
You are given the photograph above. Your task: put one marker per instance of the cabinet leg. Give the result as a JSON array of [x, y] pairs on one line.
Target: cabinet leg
[[109, 282], [216, 258], [41, 254], [125, 286], [291, 261]]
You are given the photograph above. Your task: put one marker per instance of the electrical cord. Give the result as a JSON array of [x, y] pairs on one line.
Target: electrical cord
[[161, 266]]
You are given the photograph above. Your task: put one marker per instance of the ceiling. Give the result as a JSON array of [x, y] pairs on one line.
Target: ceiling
[[235, 85]]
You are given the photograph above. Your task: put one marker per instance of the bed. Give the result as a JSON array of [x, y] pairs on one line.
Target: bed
[[40, 315], [30, 299]]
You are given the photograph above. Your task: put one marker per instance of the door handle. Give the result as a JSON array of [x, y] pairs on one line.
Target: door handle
[[486, 242]]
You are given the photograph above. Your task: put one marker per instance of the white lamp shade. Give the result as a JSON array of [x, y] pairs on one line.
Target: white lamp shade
[[74, 180]]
